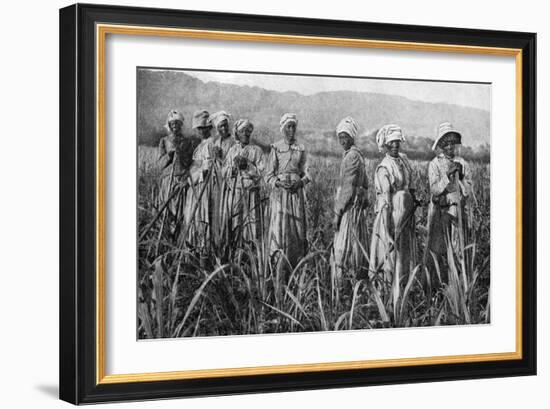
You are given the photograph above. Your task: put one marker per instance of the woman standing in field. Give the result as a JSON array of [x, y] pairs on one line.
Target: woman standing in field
[[450, 187], [393, 247], [287, 174], [223, 140], [351, 236], [201, 198], [242, 173], [222, 143], [175, 156]]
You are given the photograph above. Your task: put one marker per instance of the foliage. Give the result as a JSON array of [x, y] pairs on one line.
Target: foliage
[[239, 291]]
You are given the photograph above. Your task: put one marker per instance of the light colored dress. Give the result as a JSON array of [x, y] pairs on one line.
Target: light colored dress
[[443, 209], [242, 208], [287, 226], [351, 239], [225, 144], [393, 245], [201, 206]]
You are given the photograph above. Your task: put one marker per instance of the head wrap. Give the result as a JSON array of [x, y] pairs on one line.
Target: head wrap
[[444, 132], [389, 133], [173, 115], [218, 117], [286, 118], [347, 125], [201, 119], [242, 124]]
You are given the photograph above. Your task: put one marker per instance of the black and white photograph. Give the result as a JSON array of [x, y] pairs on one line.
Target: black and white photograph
[[263, 204], [276, 203]]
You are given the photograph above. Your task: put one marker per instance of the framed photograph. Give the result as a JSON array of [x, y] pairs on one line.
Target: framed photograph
[[256, 203]]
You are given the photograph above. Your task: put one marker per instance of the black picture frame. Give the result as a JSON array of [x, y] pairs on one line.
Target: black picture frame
[[78, 236]]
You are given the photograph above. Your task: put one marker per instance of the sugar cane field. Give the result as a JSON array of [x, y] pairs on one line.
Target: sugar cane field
[[238, 291]]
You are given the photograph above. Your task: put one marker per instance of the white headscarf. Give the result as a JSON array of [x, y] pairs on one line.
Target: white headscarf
[[218, 117], [347, 125], [173, 115], [389, 133], [201, 119], [241, 124], [288, 117]]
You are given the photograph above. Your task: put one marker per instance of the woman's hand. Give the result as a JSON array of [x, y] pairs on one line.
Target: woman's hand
[[282, 184], [450, 188], [294, 187], [171, 155], [217, 151], [456, 167]]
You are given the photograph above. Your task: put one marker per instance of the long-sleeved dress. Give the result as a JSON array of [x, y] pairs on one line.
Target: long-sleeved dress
[[201, 206], [225, 144], [351, 239], [175, 156], [393, 246], [241, 207], [287, 226], [443, 209]]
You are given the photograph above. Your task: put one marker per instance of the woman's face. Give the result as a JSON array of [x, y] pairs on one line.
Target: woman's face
[[345, 140], [204, 131], [244, 135], [223, 128], [289, 131], [448, 148], [393, 148], [175, 126]]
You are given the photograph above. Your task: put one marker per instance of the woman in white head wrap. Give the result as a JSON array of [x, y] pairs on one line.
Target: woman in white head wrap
[[175, 156], [393, 246], [242, 216], [350, 207], [223, 141], [450, 185], [201, 215], [287, 174]]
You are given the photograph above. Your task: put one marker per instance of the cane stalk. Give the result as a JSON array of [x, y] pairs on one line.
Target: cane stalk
[[194, 210], [165, 210], [461, 233], [159, 213]]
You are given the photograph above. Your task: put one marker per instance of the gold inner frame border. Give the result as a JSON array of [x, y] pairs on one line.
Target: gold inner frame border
[[102, 30]]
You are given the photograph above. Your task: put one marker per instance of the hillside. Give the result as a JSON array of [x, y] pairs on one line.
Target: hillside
[[160, 91]]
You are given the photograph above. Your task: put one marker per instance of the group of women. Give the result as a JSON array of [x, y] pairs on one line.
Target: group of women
[[219, 177]]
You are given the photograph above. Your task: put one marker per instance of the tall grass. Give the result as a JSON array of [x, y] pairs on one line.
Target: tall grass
[[240, 290]]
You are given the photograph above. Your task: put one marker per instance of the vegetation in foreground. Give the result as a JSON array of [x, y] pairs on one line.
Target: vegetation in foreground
[[239, 292]]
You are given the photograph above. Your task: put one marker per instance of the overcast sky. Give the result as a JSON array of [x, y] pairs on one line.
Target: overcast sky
[[466, 94]]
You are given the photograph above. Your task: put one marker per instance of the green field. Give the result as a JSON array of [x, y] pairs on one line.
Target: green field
[[240, 293]]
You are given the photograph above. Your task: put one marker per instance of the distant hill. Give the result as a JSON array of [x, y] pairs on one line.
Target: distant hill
[[160, 91]]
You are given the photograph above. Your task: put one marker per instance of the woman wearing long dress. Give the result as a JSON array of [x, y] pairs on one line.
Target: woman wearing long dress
[[393, 246], [287, 174], [223, 139], [200, 215], [450, 187], [222, 143], [242, 171], [351, 235], [175, 156]]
